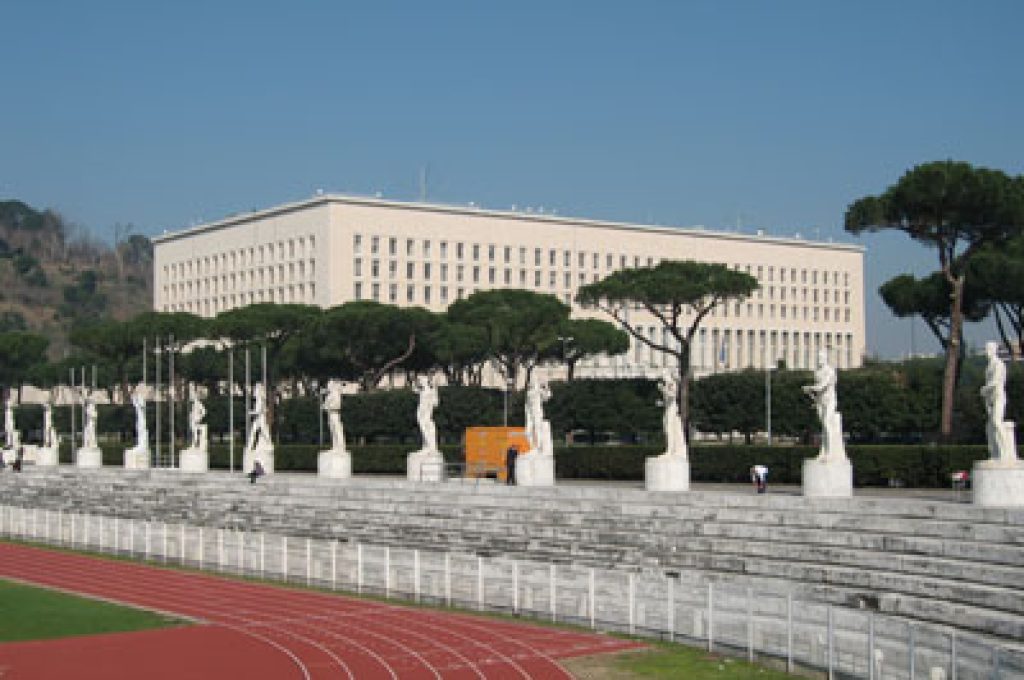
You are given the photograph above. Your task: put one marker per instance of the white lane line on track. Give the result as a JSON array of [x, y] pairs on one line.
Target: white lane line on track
[[85, 587], [319, 599]]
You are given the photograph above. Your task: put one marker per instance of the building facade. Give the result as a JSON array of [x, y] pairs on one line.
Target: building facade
[[332, 249]]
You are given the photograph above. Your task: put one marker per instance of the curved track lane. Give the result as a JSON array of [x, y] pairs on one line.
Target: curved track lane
[[261, 631]]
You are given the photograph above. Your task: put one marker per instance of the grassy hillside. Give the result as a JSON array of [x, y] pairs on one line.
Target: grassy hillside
[[54, 275]]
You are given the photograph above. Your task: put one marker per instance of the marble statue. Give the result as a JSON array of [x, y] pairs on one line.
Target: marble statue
[[137, 457], [89, 455], [830, 474], [998, 431], [427, 464], [998, 481], [196, 458], [823, 394], [337, 461], [12, 438], [671, 470], [537, 392], [260, 446], [47, 455], [536, 467]]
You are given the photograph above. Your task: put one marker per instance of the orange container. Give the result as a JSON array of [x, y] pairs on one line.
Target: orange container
[[486, 447]]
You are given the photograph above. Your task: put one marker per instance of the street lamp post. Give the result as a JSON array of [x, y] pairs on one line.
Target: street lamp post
[[566, 339], [508, 386]]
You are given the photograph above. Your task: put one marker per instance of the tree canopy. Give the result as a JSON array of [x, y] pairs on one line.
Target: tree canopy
[[520, 325], [679, 294], [582, 338], [956, 209]]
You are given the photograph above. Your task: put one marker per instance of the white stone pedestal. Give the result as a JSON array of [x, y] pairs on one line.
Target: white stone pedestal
[[8, 455], [998, 483], [136, 459], [334, 464], [828, 478], [535, 469], [424, 466], [89, 457], [193, 460], [264, 454], [667, 473], [46, 457]]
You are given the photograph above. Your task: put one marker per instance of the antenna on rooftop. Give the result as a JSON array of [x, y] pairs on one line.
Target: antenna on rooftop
[[423, 183]]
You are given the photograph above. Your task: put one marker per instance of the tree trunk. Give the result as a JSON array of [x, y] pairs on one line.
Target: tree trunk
[[683, 387], [956, 323]]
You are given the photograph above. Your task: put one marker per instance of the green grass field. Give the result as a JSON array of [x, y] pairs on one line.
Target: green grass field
[[664, 661], [28, 613]]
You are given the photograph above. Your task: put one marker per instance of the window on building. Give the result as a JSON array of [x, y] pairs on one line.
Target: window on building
[[410, 270], [374, 245], [444, 250], [392, 246], [444, 272], [476, 252], [357, 291], [392, 269], [410, 247], [476, 274], [393, 293], [426, 295], [459, 269], [522, 256], [459, 250], [410, 293], [426, 249], [375, 291], [508, 277], [551, 258], [490, 275], [426, 270], [357, 269], [508, 255]]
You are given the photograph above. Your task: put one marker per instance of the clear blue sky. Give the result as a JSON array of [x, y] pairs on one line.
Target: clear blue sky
[[769, 115]]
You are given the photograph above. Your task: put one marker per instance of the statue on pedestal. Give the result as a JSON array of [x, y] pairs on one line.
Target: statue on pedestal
[[823, 393], [998, 481], [90, 454], [999, 431], [671, 470], [830, 474], [12, 438], [196, 458], [48, 453], [137, 457], [336, 462], [536, 467], [427, 464]]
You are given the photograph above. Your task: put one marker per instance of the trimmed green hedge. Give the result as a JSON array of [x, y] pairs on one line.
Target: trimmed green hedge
[[911, 466]]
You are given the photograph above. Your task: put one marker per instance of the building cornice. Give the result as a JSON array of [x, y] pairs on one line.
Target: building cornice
[[534, 218]]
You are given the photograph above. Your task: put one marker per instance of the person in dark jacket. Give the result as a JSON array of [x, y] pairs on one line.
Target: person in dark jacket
[[510, 465]]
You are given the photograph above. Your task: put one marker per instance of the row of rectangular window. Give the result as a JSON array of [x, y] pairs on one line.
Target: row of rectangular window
[[300, 247], [301, 293], [492, 251]]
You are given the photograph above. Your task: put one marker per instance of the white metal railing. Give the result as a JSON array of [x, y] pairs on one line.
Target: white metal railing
[[761, 626]]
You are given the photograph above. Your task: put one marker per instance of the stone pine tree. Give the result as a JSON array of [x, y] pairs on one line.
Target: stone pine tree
[[956, 209], [679, 295], [998, 273]]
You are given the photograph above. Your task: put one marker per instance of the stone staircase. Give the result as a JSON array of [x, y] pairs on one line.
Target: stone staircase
[[939, 562]]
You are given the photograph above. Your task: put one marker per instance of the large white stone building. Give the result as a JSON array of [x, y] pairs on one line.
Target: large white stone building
[[331, 249]]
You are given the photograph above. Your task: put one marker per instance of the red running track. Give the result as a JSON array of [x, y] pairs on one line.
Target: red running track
[[262, 632]]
